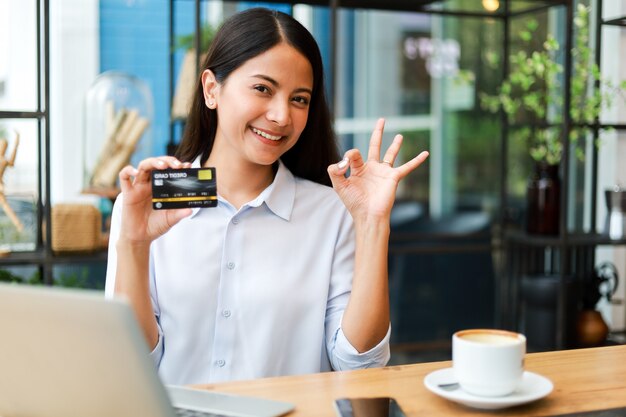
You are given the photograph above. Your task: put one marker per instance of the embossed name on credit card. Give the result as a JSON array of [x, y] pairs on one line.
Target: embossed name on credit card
[[182, 188]]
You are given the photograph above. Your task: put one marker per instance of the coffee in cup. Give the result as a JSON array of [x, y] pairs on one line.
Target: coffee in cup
[[488, 362]]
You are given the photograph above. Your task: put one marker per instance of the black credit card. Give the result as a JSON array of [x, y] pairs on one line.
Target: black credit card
[[183, 188]]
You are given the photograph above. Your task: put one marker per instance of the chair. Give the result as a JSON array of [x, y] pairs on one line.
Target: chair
[[441, 275]]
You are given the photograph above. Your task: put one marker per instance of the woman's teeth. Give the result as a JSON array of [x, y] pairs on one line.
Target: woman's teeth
[[265, 135]]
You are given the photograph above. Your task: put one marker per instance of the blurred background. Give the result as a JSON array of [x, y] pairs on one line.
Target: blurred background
[[476, 241]]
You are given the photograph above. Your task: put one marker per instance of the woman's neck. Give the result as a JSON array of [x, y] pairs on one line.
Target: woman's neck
[[239, 183]]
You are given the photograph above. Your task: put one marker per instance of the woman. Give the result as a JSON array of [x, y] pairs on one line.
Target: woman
[[285, 275]]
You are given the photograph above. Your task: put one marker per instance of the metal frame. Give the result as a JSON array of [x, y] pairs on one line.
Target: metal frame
[[42, 256]]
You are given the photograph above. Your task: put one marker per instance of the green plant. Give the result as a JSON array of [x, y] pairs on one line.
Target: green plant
[[8, 276], [187, 42], [532, 95], [73, 280]]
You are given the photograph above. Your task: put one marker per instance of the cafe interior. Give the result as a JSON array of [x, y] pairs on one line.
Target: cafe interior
[[516, 222]]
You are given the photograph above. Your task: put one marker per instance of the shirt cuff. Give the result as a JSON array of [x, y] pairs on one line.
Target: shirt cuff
[[157, 352], [346, 357]]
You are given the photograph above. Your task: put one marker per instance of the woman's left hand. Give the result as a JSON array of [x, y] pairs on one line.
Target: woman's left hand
[[370, 190]]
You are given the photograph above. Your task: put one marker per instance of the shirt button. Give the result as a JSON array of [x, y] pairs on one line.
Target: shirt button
[[235, 220], [226, 313], [220, 363], [230, 265]]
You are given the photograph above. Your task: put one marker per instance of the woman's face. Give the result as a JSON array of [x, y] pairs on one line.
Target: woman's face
[[262, 106]]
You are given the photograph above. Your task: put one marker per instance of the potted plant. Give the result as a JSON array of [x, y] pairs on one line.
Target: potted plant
[[532, 98]]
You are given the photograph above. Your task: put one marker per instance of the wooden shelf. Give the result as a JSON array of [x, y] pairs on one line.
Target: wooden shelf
[[575, 239], [41, 258], [106, 192]]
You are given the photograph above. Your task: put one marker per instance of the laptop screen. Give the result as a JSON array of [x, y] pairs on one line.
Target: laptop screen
[[74, 353]]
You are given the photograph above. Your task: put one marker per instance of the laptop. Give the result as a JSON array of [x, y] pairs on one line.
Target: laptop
[[72, 353]]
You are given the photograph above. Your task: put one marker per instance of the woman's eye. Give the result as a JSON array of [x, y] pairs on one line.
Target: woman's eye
[[302, 100], [261, 88]]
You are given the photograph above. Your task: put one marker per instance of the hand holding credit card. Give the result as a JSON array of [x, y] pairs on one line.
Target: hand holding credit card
[[184, 188]]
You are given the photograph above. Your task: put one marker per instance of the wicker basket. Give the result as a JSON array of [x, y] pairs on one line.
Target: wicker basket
[[76, 228]]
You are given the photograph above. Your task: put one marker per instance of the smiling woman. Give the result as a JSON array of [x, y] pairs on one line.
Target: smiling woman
[[262, 111], [229, 53], [255, 287]]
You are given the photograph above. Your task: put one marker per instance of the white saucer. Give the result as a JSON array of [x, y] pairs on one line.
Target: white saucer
[[532, 388]]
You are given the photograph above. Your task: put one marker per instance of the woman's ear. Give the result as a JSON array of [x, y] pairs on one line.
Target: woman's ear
[[209, 87]]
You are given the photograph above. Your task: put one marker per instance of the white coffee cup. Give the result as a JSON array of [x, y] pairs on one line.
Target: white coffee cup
[[488, 362]]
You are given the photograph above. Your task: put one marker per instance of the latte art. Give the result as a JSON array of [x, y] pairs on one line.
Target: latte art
[[490, 338]]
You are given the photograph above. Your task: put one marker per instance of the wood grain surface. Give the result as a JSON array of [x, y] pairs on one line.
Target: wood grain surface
[[584, 380]]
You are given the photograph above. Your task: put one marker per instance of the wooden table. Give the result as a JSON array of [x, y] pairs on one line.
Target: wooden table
[[584, 380]]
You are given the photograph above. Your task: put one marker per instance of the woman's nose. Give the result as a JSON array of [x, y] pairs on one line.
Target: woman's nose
[[278, 112]]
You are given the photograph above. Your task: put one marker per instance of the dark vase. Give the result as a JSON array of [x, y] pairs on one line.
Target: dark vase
[[591, 329], [543, 199]]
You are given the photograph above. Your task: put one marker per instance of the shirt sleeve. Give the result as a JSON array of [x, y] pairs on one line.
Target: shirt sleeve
[[341, 353], [109, 287], [347, 357], [157, 352], [114, 234]]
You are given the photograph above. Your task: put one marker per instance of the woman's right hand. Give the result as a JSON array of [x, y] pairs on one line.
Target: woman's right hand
[[140, 223]]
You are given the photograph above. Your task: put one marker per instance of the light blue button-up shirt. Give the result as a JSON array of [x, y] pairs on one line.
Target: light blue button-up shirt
[[254, 292]]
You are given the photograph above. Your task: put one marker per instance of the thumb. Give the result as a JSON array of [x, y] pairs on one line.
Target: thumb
[[337, 173], [174, 216]]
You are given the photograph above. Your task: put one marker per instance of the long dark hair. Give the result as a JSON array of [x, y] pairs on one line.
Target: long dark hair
[[240, 38]]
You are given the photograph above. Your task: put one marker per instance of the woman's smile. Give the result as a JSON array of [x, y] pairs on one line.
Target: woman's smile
[[267, 137]]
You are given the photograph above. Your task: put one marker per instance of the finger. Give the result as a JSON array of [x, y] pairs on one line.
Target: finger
[[356, 159], [337, 172], [375, 140], [171, 161], [341, 167], [406, 168], [146, 166], [352, 159], [125, 177], [393, 150], [160, 162]]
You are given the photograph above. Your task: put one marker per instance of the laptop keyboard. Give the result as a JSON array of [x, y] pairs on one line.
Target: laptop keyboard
[[185, 412]]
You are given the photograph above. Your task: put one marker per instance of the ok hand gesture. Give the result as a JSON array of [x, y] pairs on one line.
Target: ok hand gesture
[[369, 192]]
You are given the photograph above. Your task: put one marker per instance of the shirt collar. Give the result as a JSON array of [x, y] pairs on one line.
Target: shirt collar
[[279, 196]]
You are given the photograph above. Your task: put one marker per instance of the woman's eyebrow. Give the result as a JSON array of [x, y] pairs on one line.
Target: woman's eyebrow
[[277, 84]]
